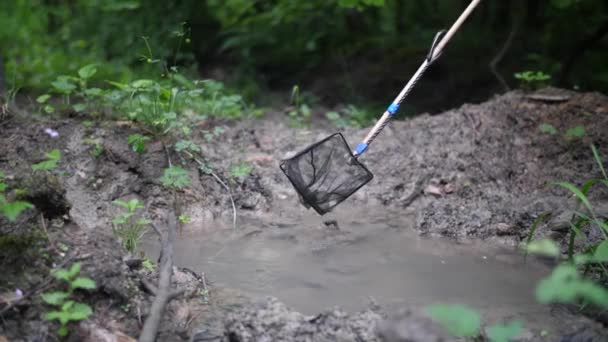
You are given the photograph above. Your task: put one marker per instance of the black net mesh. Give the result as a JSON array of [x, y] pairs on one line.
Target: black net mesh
[[326, 173]]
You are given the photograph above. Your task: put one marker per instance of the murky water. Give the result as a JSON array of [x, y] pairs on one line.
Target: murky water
[[377, 258]]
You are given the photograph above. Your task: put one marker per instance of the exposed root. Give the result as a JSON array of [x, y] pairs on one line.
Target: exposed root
[[163, 292]]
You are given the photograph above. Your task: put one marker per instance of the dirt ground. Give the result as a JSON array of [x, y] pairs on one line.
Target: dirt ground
[[478, 172]]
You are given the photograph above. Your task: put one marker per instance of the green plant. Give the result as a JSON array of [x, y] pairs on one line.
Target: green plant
[[241, 170], [10, 209], [127, 227], [531, 80], [186, 145], [567, 284], [301, 114], [547, 129], [184, 218], [148, 265], [175, 177], [576, 132], [138, 142], [463, 321], [52, 159], [68, 309], [97, 147]]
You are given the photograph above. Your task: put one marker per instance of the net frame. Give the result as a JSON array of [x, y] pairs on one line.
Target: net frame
[[304, 195]]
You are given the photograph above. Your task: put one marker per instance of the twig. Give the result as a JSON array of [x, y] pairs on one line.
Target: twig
[[46, 232], [163, 294], [222, 183], [499, 56]]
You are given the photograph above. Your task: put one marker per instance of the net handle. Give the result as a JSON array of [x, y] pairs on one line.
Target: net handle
[[434, 53]]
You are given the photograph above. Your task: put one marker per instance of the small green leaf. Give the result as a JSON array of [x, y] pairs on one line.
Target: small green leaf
[[241, 170], [74, 270], [83, 283], [575, 132], [79, 107], [43, 98], [87, 71], [601, 252], [79, 312], [67, 305], [12, 210], [543, 247], [175, 176], [547, 128], [506, 332], [53, 158], [458, 320], [55, 298], [49, 109], [64, 85]]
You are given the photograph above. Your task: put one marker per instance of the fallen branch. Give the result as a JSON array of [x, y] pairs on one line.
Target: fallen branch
[[163, 292]]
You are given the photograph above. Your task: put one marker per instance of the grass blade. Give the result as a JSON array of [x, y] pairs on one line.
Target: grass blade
[[596, 155], [535, 224], [578, 193]]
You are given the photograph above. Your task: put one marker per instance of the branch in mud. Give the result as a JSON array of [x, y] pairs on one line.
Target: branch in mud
[[163, 292]]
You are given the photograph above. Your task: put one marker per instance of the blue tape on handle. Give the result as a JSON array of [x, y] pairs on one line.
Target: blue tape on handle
[[361, 148], [392, 109]]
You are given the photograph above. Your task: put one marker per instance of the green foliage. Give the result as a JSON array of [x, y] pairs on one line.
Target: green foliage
[[10, 209], [575, 132], [175, 177], [566, 285], [544, 247], [505, 332], [52, 159], [458, 320], [128, 228], [351, 116], [66, 309], [531, 80], [547, 129], [300, 115], [241, 170], [186, 145], [138, 142]]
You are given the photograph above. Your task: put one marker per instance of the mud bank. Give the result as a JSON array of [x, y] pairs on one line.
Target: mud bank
[[474, 173]]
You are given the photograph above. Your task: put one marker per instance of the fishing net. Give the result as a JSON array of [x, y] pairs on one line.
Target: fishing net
[[326, 173]]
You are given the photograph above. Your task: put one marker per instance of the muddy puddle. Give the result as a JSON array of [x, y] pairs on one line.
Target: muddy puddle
[[374, 257]]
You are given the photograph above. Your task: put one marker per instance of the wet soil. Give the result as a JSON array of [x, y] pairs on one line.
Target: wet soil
[[475, 173]]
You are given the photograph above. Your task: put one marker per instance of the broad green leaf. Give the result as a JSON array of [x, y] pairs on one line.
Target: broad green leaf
[[143, 222], [62, 274], [43, 98], [119, 220], [67, 305], [55, 298], [79, 312], [458, 320], [601, 252], [134, 204], [547, 128], [121, 204], [61, 316], [506, 332], [12, 210], [543, 247], [575, 132], [175, 176], [74, 270], [54, 155], [83, 283], [142, 84], [565, 285], [93, 92], [79, 107], [53, 158], [87, 71], [63, 85]]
